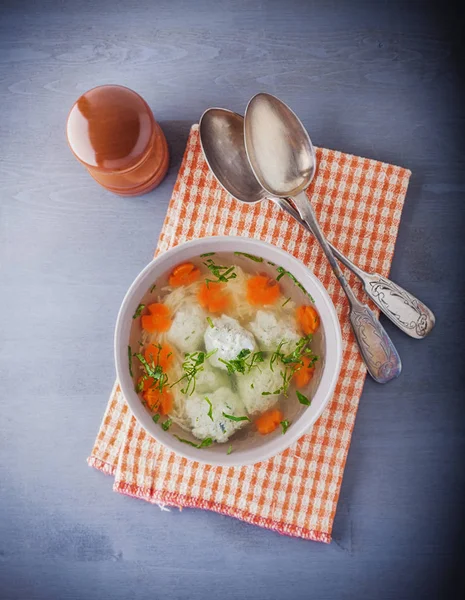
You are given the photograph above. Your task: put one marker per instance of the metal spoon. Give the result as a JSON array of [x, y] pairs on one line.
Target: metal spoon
[[283, 160], [222, 139]]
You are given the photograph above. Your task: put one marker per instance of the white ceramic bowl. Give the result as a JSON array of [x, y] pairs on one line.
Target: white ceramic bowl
[[260, 447]]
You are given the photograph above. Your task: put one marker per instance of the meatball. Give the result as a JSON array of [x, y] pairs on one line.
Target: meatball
[[228, 338], [218, 427], [187, 329], [270, 332], [210, 379], [252, 385]]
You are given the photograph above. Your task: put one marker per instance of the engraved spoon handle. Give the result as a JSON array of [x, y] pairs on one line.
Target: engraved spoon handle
[[378, 351], [407, 312]]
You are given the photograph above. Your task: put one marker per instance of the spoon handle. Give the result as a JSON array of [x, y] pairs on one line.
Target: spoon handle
[[379, 353], [407, 312]]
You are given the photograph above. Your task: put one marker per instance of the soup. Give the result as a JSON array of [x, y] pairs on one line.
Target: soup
[[225, 346]]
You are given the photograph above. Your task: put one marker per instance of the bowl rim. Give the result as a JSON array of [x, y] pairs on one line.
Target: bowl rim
[[332, 330]]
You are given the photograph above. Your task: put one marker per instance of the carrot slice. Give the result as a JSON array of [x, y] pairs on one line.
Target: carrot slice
[[159, 401], [304, 375], [214, 297], [152, 397], [267, 422], [184, 274], [262, 290], [166, 402], [308, 319], [159, 355], [147, 383], [159, 318]]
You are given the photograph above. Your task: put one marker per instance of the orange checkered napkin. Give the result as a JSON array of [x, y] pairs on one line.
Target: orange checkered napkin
[[359, 204]]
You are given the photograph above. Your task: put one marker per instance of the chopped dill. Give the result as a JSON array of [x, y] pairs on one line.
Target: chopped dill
[[222, 274], [257, 259], [156, 418], [139, 310], [285, 425], [282, 272], [167, 424], [244, 362], [285, 302], [153, 371], [203, 444], [210, 322], [130, 361], [292, 362], [229, 450], [210, 410], [302, 399], [192, 365], [237, 419]]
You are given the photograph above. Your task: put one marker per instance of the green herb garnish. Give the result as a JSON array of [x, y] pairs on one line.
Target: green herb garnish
[[140, 386], [292, 361], [210, 322], [237, 419], [209, 413], [130, 361], [192, 365], [286, 376], [229, 450], [285, 425], [203, 444], [207, 254], [244, 362], [257, 259], [139, 309], [153, 371], [301, 349], [303, 399], [156, 418], [275, 393], [222, 274], [284, 303], [153, 287], [167, 424], [283, 272], [277, 354]]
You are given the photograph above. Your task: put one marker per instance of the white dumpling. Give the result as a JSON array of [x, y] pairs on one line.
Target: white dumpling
[[252, 385], [186, 331], [228, 338], [270, 331], [219, 427], [210, 379]]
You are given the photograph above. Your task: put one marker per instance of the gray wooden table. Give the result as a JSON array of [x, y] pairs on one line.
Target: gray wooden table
[[378, 79]]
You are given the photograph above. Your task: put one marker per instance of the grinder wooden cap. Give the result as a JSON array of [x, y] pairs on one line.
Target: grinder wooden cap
[[112, 132]]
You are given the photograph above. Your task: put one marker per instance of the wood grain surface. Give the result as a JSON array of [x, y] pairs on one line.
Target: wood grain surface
[[377, 79]]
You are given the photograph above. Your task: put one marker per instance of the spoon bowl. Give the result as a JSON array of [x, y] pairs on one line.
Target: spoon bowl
[[222, 141], [278, 146]]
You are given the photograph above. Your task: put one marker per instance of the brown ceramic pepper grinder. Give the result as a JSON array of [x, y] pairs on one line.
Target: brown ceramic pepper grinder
[[112, 132]]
